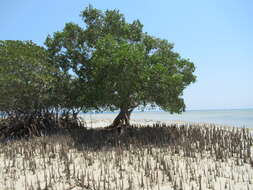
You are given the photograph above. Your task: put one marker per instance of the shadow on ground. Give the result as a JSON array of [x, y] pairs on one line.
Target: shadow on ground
[[187, 139]]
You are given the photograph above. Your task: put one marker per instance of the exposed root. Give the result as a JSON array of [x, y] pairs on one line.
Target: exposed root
[[32, 125]]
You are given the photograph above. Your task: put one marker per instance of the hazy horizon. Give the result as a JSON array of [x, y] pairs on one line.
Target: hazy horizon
[[159, 109], [232, 117]]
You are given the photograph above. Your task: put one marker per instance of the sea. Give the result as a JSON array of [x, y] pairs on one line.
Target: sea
[[228, 117]]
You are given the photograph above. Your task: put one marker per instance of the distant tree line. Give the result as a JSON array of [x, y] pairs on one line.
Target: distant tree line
[[109, 64]]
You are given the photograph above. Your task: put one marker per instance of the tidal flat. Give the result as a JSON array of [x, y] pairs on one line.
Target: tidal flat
[[147, 155]]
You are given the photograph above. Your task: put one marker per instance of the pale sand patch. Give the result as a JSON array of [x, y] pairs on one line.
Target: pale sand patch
[[54, 162]]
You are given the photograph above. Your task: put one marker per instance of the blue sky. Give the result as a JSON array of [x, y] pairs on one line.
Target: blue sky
[[216, 35]]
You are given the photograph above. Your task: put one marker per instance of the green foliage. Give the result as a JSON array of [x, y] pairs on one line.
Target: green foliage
[[26, 79], [121, 66], [35, 95]]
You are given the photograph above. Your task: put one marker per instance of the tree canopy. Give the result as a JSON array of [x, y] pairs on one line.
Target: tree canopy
[[26, 79], [36, 96], [119, 66]]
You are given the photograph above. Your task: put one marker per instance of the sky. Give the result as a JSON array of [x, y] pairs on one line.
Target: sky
[[216, 35]]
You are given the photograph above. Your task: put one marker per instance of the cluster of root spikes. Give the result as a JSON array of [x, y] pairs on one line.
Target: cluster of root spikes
[[188, 139], [33, 125], [153, 157]]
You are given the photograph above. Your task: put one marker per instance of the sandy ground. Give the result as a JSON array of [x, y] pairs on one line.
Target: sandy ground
[[100, 123], [56, 163]]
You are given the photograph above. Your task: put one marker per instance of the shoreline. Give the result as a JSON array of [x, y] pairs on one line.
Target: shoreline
[[235, 118], [101, 123]]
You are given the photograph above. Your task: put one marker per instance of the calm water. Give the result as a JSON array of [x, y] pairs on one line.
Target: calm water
[[236, 117]]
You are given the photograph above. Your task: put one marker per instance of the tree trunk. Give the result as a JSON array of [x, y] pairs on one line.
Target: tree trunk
[[123, 118]]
